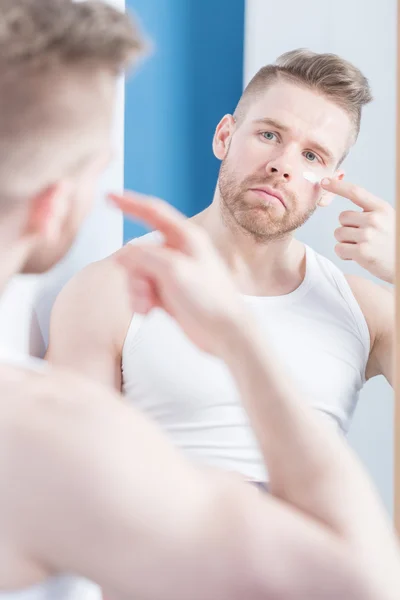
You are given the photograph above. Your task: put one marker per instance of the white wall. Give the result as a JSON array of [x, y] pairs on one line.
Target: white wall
[[364, 33], [25, 306]]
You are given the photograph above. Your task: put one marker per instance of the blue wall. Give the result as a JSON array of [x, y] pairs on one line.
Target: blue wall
[[176, 98]]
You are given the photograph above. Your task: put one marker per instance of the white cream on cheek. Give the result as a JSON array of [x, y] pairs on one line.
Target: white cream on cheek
[[311, 177]]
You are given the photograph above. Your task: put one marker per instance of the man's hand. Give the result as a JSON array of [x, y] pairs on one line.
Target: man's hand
[[367, 236], [184, 275]]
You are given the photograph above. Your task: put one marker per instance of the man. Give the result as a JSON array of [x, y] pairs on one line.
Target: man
[[332, 332], [92, 487]]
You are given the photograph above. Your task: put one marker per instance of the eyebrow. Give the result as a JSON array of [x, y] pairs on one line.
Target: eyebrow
[[285, 129]]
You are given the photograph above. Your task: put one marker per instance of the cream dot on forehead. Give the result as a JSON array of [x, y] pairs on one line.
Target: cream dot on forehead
[[311, 177]]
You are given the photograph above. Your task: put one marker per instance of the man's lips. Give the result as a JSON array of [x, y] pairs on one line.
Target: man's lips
[[268, 193]]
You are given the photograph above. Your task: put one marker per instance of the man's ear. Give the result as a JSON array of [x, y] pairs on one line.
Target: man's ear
[[47, 211], [327, 197], [223, 136]]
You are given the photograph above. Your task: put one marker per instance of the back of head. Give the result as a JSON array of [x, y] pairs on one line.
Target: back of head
[[326, 74], [59, 61]]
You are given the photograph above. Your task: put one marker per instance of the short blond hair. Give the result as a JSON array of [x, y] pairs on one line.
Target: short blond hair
[[40, 34], [328, 74], [55, 55]]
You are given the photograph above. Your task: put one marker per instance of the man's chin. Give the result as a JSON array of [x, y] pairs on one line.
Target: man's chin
[[268, 222], [266, 233]]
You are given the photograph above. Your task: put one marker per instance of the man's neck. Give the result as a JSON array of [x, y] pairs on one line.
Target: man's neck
[[269, 268]]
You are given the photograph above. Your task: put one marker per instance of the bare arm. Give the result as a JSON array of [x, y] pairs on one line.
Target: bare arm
[[153, 527], [377, 304], [89, 323]]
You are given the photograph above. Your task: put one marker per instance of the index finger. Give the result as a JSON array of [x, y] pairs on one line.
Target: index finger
[[355, 193], [158, 215]]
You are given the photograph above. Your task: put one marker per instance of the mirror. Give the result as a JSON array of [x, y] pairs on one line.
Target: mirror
[[169, 152], [172, 106]]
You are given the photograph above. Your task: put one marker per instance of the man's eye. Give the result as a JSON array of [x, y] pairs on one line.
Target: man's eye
[[310, 156], [268, 135]]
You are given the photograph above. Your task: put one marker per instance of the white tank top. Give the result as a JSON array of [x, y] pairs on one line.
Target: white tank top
[[64, 587], [318, 332]]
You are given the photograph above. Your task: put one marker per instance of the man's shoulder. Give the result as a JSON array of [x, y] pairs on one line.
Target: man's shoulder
[[100, 280], [20, 376], [36, 405], [376, 302], [96, 297], [107, 274], [367, 291], [53, 389]]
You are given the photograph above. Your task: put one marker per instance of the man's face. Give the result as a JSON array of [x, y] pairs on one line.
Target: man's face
[[287, 131], [76, 195], [79, 201]]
